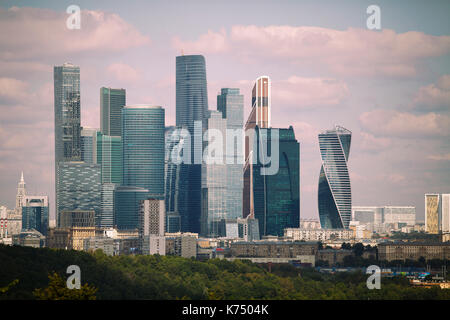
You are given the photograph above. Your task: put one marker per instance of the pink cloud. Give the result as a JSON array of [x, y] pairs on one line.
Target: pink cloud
[[406, 125], [434, 96], [124, 72], [309, 92], [439, 157], [211, 42], [353, 51], [369, 142], [42, 33]]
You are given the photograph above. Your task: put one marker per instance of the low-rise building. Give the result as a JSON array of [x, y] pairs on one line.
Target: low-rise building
[[333, 256], [273, 249], [390, 251], [297, 234]]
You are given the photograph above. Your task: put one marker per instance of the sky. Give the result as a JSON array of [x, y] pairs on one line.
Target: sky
[[390, 87]]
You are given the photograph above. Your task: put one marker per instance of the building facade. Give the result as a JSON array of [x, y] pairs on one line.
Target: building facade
[[89, 145], [151, 226], [143, 148], [111, 103], [275, 198], [35, 213], [334, 194], [231, 104], [191, 109], [79, 186], [432, 210]]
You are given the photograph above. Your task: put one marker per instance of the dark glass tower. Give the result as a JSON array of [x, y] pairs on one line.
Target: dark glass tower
[[191, 106], [66, 80], [111, 103], [143, 148], [276, 197], [334, 195]]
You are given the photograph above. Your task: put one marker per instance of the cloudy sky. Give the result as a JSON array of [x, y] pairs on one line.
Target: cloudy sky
[[390, 87]]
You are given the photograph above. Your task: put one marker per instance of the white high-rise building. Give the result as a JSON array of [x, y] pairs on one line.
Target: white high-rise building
[[151, 226], [445, 212]]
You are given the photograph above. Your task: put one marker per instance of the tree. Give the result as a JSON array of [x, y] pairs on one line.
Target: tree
[[57, 290], [9, 286]]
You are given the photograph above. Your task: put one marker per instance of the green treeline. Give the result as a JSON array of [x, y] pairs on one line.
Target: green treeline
[[24, 274]]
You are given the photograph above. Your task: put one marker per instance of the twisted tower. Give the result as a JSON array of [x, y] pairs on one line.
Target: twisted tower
[[334, 196]]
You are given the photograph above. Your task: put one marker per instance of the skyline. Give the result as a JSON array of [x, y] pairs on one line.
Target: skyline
[[400, 133]]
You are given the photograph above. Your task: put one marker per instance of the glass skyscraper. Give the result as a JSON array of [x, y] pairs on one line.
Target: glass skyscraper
[[172, 182], [214, 178], [276, 197], [35, 213], [79, 187], [67, 112], [67, 118], [191, 106], [89, 145], [334, 194], [126, 206], [109, 157], [231, 104], [143, 148], [111, 103]]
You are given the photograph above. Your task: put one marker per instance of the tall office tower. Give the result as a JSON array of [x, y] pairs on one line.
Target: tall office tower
[[109, 157], [111, 103], [276, 197], [79, 187], [261, 104], [143, 148], [66, 79], [259, 118], [106, 219], [214, 175], [445, 212], [35, 213], [334, 195], [172, 181], [67, 112], [151, 227], [191, 107], [432, 201], [89, 145], [231, 103], [127, 201], [21, 192]]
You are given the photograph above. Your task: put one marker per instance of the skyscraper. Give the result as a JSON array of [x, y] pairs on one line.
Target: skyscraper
[[35, 213], [109, 157], [214, 177], [67, 113], [67, 119], [231, 104], [89, 145], [334, 195], [191, 108], [172, 182], [111, 103], [261, 104], [143, 148], [276, 197], [79, 187], [437, 213]]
